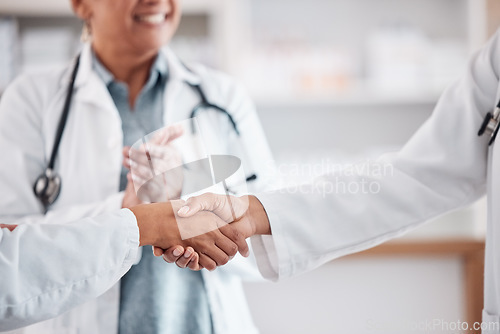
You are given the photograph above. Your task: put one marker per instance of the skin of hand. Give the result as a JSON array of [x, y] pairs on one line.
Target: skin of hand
[[130, 198], [165, 181], [158, 227], [246, 215]]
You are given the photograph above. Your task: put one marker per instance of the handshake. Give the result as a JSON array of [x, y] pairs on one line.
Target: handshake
[[204, 232], [217, 226]]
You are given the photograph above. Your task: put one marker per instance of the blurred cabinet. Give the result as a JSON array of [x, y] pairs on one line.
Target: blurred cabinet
[[319, 51], [47, 34], [366, 52]]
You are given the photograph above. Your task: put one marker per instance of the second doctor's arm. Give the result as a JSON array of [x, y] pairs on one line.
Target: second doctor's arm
[[250, 146], [49, 268], [442, 167]]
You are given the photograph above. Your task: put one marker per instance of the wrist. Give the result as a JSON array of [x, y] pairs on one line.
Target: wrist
[[154, 222], [258, 217]]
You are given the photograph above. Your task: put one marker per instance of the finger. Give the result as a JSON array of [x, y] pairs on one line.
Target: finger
[[207, 262], [172, 254], [227, 246], [164, 153], [140, 176], [231, 232], [167, 134], [126, 151], [141, 172], [194, 263], [157, 251], [126, 163], [139, 156], [172, 132], [193, 205], [217, 255], [130, 182], [183, 261]]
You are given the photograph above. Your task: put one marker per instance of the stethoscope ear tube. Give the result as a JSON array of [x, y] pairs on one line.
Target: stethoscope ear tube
[[483, 127], [65, 113], [207, 105], [491, 124]]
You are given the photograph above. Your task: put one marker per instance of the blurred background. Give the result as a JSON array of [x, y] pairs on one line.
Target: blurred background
[[336, 79]]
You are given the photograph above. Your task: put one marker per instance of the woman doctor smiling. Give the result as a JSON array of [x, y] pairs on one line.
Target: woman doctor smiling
[[127, 86]]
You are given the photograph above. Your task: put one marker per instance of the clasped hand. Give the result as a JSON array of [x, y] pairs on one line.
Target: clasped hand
[[242, 217], [226, 218], [158, 225]]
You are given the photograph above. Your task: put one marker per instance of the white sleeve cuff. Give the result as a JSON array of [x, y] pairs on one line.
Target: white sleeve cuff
[[272, 252]]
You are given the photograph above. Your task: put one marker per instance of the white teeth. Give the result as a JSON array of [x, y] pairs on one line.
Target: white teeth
[[153, 19]]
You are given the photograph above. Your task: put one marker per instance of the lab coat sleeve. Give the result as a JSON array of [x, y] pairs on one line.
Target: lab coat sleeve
[[24, 157], [48, 269], [252, 148], [442, 167]]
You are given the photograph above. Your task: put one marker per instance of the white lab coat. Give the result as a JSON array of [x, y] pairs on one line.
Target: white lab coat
[[89, 162], [445, 165], [42, 278]]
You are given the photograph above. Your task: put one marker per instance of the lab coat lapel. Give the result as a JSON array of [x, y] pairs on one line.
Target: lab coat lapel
[[89, 88], [177, 102]]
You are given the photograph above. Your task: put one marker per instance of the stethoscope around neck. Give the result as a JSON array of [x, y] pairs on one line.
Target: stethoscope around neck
[[48, 185]]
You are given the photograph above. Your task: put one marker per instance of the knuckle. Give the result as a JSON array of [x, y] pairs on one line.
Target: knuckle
[[224, 260], [237, 235]]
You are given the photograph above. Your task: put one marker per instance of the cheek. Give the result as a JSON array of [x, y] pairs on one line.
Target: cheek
[[176, 13], [110, 20]]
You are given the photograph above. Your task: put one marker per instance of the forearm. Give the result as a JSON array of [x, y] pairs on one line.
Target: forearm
[[74, 263], [156, 224], [65, 214]]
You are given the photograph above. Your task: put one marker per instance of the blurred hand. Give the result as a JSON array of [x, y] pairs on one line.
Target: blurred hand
[[156, 167], [130, 198]]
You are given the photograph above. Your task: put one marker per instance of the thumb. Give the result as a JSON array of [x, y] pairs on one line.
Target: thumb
[[168, 134], [205, 202], [126, 151]]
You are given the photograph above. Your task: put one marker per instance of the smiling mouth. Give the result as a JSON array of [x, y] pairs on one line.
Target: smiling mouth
[[152, 18]]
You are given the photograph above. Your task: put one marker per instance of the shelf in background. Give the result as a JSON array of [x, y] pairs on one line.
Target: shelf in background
[[42, 8], [63, 7], [359, 98]]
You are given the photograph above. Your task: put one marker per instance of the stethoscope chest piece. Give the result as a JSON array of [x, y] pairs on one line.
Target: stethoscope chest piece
[[491, 124], [48, 187]]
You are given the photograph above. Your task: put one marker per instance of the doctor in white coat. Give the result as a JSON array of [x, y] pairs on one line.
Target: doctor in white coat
[[90, 153], [444, 166]]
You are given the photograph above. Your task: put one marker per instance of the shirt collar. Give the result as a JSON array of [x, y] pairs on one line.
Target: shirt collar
[[159, 70], [176, 70]]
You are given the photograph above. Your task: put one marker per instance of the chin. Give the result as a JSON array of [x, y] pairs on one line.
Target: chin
[[150, 46]]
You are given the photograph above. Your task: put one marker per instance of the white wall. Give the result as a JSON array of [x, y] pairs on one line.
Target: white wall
[[362, 296]]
